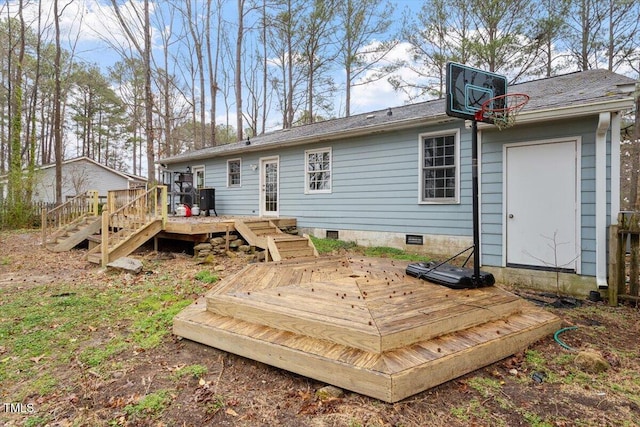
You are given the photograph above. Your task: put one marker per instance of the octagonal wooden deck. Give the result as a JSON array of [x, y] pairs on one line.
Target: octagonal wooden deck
[[362, 324]]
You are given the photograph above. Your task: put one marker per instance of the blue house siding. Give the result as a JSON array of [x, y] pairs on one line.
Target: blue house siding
[[376, 173], [492, 184], [375, 187]]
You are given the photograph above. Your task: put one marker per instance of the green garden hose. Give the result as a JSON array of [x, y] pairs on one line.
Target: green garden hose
[[559, 341]]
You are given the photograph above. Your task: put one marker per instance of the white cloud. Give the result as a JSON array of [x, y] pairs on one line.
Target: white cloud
[[379, 94], [89, 27]]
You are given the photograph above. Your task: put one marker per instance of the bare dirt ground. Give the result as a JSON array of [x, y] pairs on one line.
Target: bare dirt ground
[[174, 382]]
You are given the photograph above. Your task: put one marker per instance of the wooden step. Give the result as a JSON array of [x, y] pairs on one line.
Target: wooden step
[[128, 244], [94, 258], [390, 376], [295, 253], [263, 228], [368, 315], [70, 239], [292, 243], [288, 246], [306, 317]]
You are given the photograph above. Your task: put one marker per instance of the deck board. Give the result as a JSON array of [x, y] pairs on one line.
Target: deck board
[[332, 319]]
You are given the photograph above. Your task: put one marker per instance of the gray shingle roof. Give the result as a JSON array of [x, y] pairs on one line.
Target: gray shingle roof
[[569, 90]]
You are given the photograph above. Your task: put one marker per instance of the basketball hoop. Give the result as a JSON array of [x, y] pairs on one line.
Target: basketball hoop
[[502, 110]]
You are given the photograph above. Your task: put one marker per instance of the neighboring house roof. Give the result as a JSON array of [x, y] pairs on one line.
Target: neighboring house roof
[[124, 175], [573, 94]]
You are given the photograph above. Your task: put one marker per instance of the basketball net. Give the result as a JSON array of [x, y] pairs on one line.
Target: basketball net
[[502, 110]]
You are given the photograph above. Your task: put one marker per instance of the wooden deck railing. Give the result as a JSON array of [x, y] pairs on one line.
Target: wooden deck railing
[[125, 221], [119, 198], [626, 234], [53, 220]]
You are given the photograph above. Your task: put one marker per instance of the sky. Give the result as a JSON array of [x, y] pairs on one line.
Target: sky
[[91, 31]]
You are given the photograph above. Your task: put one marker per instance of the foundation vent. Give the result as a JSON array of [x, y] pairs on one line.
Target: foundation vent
[[332, 234], [413, 239]]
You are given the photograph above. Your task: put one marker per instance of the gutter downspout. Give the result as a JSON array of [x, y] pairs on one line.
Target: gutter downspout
[[604, 121], [615, 168]]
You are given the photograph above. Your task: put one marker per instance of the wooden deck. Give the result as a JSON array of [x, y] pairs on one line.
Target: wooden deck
[[196, 225], [362, 324]]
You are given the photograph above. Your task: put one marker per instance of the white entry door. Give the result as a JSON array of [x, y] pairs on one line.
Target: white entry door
[[269, 186], [542, 206]]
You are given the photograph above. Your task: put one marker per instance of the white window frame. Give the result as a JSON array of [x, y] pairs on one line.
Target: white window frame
[[194, 171], [307, 172], [239, 184], [439, 201]]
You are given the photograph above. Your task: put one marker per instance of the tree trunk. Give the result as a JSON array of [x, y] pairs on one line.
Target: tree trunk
[[238, 73], [15, 160], [212, 72], [264, 65], [586, 30], [635, 159], [57, 112], [290, 67], [148, 95]]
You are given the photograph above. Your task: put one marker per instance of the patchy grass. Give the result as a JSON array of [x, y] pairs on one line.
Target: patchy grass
[[196, 371], [92, 322], [327, 246], [386, 252], [90, 347], [150, 406], [206, 276]]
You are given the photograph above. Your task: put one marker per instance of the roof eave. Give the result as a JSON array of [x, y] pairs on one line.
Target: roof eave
[[618, 104], [327, 137]]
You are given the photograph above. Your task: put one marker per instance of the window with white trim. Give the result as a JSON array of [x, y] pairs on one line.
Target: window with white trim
[[234, 166], [439, 167], [318, 170], [198, 174]]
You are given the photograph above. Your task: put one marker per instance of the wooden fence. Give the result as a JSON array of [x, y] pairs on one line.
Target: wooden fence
[[624, 258]]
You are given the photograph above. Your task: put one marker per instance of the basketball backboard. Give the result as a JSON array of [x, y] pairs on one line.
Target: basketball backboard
[[468, 88]]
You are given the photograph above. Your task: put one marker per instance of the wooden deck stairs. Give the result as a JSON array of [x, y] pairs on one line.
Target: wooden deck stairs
[[69, 224], [264, 234], [76, 232], [128, 220], [129, 226], [124, 240], [362, 324]]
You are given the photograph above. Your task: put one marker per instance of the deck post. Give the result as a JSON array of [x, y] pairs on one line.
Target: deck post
[[104, 243], [44, 225], [163, 207], [94, 202], [634, 259], [616, 264]]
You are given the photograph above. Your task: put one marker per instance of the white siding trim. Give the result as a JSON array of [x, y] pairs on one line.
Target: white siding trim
[[261, 192], [306, 172], [601, 198], [479, 141], [239, 160]]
